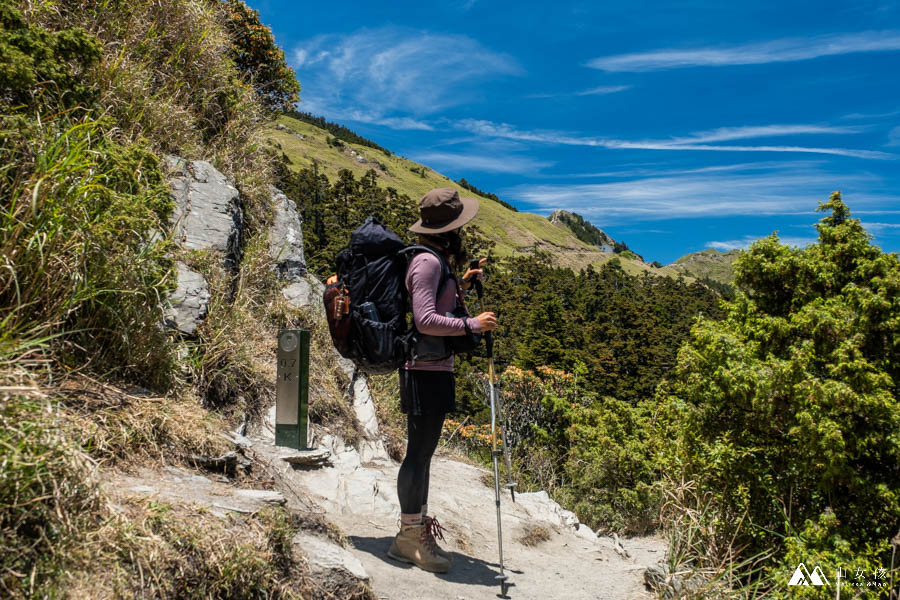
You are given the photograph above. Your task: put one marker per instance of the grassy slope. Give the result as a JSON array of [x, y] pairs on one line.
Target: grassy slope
[[512, 231], [708, 263]]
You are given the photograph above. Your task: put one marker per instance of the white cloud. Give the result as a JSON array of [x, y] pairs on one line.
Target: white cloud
[[752, 192], [699, 141], [782, 50], [487, 164], [744, 243], [393, 73]]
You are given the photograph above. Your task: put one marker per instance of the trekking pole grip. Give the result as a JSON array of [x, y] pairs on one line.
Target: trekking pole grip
[[479, 286]]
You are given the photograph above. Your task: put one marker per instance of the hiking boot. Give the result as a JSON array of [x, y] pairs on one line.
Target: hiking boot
[[436, 532], [415, 546]]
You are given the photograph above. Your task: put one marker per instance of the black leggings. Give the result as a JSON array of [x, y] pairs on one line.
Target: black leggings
[[412, 481]]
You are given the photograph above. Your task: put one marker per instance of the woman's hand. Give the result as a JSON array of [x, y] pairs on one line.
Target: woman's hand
[[488, 321], [473, 273]]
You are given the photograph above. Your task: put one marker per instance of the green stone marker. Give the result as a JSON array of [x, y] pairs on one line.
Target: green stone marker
[[292, 390]]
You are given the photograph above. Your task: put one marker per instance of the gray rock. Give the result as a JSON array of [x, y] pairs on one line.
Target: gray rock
[[207, 213], [585, 532], [543, 508], [327, 558], [189, 303], [286, 238], [299, 294]]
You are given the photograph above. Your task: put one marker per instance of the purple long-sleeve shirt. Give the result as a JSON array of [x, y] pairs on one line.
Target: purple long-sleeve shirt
[[429, 313]]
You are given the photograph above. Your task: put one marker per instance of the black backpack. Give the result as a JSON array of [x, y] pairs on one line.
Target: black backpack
[[366, 301]]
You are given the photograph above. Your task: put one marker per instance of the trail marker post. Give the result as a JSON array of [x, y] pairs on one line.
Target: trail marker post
[[292, 389]]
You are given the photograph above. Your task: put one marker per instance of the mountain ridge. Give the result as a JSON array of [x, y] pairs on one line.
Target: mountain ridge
[[513, 232]]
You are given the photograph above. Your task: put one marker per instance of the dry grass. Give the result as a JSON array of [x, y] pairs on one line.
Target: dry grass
[[463, 542], [391, 422], [701, 562], [532, 534], [72, 542], [126, 428]]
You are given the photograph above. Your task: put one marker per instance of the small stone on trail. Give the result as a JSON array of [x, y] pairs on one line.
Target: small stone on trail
[[308, 458], [263, 496]]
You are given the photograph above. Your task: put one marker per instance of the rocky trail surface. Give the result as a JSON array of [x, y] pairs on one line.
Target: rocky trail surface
[[547, 553], [572, 563]]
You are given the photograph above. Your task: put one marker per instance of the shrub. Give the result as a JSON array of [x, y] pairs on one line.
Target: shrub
[[34, 60], [594, 455], [786, 412], [259, 60]]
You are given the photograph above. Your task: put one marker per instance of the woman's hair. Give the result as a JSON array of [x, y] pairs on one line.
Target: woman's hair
[[450, 243]]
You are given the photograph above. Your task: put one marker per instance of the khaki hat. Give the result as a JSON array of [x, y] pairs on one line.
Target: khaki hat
[[442, 210]]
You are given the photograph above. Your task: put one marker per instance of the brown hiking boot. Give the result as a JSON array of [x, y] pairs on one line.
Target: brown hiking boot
[[413, 545], [436, 532]]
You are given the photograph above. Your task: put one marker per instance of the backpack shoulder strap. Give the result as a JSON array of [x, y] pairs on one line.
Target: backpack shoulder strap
[[445, 268]]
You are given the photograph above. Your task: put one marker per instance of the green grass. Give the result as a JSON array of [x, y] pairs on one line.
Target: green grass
[[513, 232]]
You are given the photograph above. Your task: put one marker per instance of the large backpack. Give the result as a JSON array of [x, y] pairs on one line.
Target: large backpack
[[370, 282]]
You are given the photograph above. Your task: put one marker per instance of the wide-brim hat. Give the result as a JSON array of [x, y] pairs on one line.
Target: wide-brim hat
[[443, 210]]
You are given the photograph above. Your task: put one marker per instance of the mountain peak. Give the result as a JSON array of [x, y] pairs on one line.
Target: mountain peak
[[582, 229]]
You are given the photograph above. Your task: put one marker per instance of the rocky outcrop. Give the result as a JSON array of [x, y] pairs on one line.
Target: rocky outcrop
[[189, 302], [207, 213], [207, 217], [286, 238]]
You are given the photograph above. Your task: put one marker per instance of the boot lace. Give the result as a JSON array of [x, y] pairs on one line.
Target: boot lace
[[432, 532]]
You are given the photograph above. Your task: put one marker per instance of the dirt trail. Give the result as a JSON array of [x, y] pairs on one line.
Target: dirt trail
[[361, 498]]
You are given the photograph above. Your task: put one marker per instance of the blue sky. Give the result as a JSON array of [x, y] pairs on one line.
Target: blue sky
[[672, 126]]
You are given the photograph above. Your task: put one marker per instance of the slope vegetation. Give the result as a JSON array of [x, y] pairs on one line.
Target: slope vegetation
[[709, 263]]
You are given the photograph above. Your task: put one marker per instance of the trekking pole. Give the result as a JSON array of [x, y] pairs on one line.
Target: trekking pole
[[495, 453], [495, 398]]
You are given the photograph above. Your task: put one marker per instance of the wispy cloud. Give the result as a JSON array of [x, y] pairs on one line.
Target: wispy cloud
[[486, 163], [602, 90], [744, 243], [359, 116], [782, 50], [394, 73], [660, 171], [878, 115], [779, 191], [882, 228], [595, 91], [700, 141]]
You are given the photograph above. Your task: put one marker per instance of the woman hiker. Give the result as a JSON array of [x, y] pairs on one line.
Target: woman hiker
[[427, 388]]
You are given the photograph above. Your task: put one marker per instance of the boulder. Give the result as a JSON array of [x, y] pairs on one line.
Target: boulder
[[207, 213], [286, 239], [543, 508], [189, 303]]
